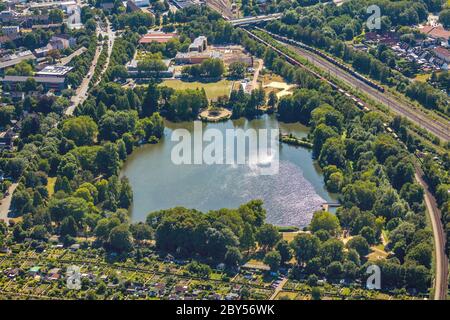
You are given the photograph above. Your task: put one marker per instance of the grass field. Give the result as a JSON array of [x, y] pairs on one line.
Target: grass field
[[51, 185], [289, 236], [422, 77], [213, 89], [283, 295], [377, 253]]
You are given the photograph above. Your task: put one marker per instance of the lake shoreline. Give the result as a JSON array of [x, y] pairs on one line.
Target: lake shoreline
[[290, 197]]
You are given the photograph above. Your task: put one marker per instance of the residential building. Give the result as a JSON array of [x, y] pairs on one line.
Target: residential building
[[49, 83], [141, 3], [442, 53], [195, 57], [51, 26], [11, 31], [4, 40], [43, 51], [51, 4], [8, 15], [436, 32], [54, 274], [12, 60], [54, 71], [24, 20], [387, 38], [12, 273], [160, 37], [132, 7], [61, 42], [7, 139], [199, 44], [107, 5], [186, 3]]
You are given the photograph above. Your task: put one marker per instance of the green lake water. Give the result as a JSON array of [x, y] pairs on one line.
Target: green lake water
[[290, 197]]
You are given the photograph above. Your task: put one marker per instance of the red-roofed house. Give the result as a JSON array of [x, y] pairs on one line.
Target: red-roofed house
[[160, 37], [442, 53], [436, 32]]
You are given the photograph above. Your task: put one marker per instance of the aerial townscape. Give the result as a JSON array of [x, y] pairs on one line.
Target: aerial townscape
[[93, 205]]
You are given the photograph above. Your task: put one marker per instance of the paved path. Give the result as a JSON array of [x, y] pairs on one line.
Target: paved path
[[339, 2], [441, 278], [81, 92], [6, 203], [278, 288], [254, 83], [111, 38], [69, 58]]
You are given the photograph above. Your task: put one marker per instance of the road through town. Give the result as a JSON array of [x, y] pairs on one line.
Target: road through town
[[111, 38], [82, 91]]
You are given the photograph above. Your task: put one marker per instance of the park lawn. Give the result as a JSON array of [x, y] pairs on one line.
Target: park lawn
[[270, 77], [216, 276], [377, 253], [255, 262], [51, 185], [289, 236], [422, 77], [286, 294], [385, 235], [213, 89], [16, 219], [383, 296]]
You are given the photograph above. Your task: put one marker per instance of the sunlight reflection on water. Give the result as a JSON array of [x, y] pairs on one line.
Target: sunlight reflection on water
[[290, 197]]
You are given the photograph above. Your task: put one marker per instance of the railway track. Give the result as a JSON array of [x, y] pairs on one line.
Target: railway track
[[295, 62], [221, 6], [441, 280], [439, 127]]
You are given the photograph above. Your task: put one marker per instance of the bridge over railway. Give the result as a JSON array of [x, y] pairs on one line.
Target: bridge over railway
[[253, 20], [227, 8]]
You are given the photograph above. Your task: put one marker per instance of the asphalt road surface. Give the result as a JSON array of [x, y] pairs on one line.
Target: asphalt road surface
[[111, 38], [82, 90], [6, 203]]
